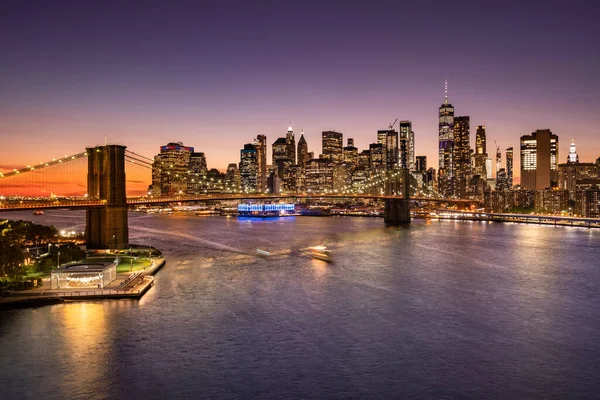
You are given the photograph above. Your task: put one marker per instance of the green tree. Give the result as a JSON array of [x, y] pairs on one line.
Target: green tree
[[11, 258]]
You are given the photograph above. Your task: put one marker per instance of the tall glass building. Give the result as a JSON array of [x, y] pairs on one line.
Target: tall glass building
[[446, 148]]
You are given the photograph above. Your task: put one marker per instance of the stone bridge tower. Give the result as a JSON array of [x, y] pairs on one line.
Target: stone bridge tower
[[106, 226], [397, 211]]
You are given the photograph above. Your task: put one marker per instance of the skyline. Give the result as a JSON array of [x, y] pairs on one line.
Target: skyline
[[148, 75]]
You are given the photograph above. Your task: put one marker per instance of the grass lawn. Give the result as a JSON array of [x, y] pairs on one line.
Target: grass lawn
[[126, 265]]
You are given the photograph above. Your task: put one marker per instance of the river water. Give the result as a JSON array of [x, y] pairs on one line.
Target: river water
[[441, 309]]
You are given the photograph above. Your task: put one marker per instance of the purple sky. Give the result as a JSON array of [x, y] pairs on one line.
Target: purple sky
[[216, 75]]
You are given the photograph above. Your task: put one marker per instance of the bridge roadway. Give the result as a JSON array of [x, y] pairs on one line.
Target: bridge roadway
[[37, 204]]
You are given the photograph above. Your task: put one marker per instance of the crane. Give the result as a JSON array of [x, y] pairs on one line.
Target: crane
[[393, 123]]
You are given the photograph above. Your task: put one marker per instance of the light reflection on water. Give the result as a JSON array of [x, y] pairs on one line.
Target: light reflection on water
[[441, 309]]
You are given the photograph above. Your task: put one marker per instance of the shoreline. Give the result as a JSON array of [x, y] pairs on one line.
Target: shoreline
[[25, 300]]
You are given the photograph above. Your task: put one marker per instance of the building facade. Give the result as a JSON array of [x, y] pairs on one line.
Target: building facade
[[333, 146], [539, 155]]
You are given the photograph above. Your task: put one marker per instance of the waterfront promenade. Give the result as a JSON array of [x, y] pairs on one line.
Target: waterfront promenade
[[130, 285]]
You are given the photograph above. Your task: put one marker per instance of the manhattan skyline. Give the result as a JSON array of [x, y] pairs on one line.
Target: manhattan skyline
[[145, 74]]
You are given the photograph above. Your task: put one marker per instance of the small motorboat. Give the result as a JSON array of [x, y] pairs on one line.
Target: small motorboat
[[38, 212], [263, 253], [321, 253]]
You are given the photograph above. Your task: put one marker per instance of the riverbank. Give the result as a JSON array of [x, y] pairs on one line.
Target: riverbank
[[126, 286]]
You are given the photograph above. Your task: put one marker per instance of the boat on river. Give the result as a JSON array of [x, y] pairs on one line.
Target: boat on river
[[320, 253]]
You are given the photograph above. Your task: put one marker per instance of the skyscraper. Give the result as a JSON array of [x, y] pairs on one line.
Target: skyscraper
[[480, 152], [539, 155], [446, 146], [196, 172], [407, 145], [388, 138], [351, 153], [333, 146], [421, 164], [376, 156], [509, 167], [170, 169], [302, 151], [280, 156], [290, 145], [573, 156], [249, 167], [462, 154], [261, 153]]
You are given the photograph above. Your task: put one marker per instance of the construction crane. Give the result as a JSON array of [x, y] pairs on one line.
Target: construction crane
[[393, 123]]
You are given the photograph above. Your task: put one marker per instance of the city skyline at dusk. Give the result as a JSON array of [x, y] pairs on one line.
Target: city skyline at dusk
[[148, 74]]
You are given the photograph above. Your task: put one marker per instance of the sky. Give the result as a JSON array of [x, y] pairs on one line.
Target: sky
[[213, 75]]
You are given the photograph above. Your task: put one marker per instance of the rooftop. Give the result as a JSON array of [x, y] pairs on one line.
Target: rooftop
[[95, 266]]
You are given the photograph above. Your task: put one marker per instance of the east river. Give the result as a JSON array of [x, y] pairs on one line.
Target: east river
[[442, 309]]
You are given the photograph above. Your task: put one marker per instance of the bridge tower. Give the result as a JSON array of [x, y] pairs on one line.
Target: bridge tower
[[106, 227], [397, 211]]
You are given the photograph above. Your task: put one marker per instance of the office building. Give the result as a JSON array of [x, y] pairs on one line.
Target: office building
[[446, 147], [249, 168], [376, 157], [333, 146], [407, 146], [319, 176], [509, 167], [280, 156], [170, 170], [480, 152], [302, 151], [539, 155], [388, 138], [232, 178], [364, 159], [290, 146], [421, 164], [197, 170], [351, 153], [261, 152], [574, 175], [462, 155]]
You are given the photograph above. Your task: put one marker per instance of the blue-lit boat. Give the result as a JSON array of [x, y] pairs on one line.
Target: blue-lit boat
[[267, 210]]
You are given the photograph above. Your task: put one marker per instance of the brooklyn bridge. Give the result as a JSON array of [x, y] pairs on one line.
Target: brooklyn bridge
[[107, 180]]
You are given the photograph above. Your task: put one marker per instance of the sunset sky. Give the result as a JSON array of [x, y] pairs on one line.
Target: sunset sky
[[216, 74]]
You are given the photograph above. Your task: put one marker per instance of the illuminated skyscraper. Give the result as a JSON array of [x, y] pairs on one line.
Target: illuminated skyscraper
[[302, 151], [539, 155], [462, 155], [333, 146], [197, 170], [232, 178], [407, 145], [376, 156], [261, 152], [170, 170], [573, 156], [421, 164], [249, 168], [280, 156], [480, 152], [388, 138], [351, 153], [509, 167], [290, 145], [446, 147]]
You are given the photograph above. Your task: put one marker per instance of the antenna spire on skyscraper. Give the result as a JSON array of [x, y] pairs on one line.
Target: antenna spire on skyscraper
[[446, 91]]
